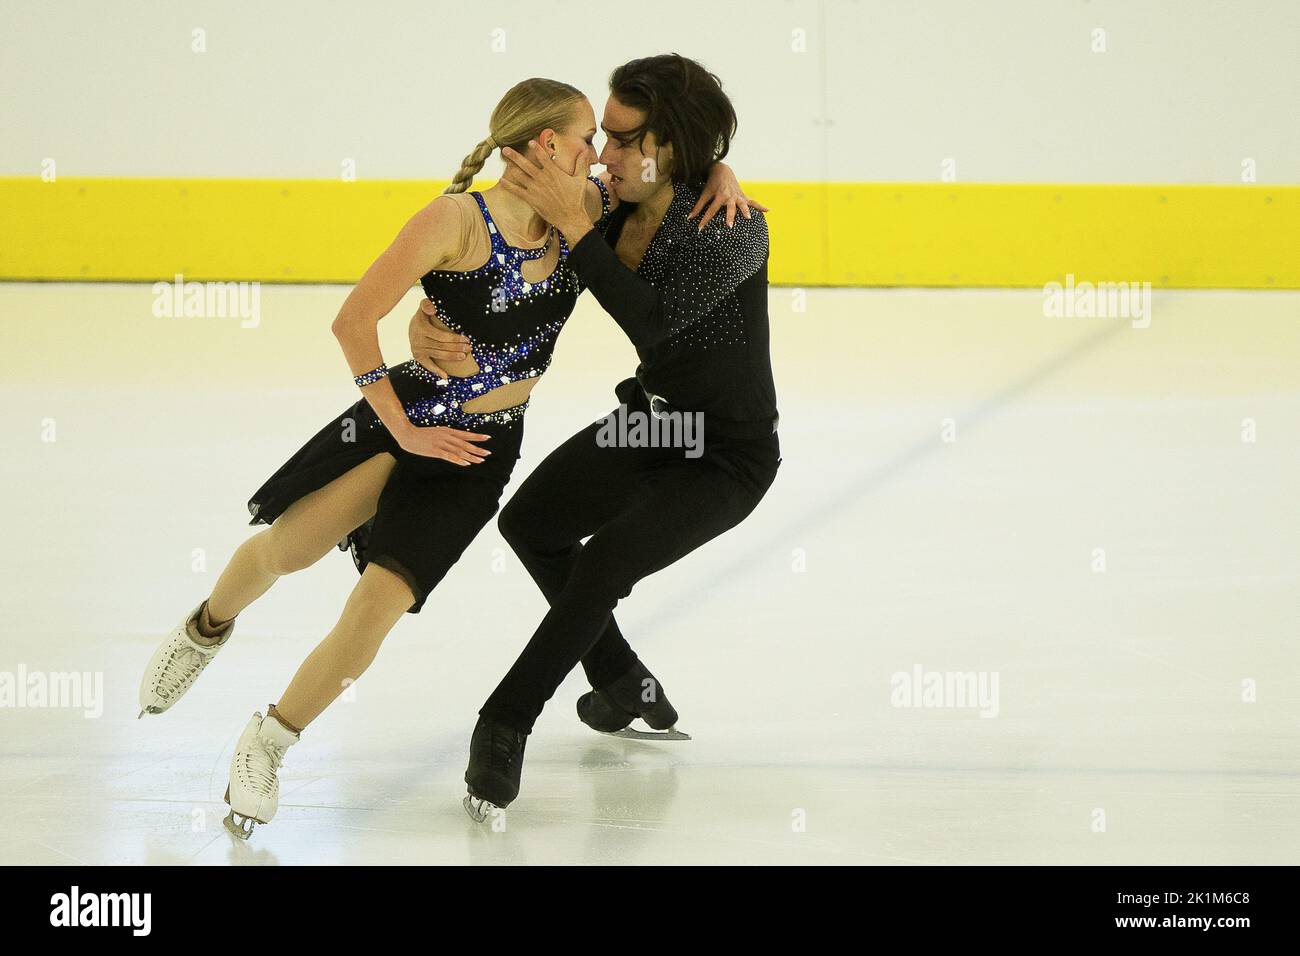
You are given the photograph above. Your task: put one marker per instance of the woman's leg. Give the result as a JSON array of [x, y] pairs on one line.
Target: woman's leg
[[429, 513], [378, 601], [300, 537]]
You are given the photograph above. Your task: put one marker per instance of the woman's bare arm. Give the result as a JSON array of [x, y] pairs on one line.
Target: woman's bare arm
[[592, 196], [427, 240], [722, 190]]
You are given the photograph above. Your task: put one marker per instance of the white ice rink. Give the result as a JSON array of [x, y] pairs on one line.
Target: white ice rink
[[1147, 709]]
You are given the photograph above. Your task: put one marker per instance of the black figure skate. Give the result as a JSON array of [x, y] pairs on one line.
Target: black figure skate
[[496, 762], [610, 709]]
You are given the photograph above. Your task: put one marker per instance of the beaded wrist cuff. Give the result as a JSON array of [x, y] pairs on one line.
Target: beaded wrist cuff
[[369, 378]]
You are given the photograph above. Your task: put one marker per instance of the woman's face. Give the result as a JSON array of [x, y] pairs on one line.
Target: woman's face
[[573, 146]]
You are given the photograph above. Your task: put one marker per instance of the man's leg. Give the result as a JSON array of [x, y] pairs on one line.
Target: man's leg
[[673, 510], [577, 488]]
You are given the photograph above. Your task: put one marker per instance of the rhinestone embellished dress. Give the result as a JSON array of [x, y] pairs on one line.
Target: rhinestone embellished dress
[[430, 508], [513, 324]]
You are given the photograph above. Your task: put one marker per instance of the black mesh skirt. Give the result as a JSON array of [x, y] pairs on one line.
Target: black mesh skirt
[[430, 509]]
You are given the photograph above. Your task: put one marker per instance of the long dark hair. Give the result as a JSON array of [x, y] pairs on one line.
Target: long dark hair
[[684, 105]]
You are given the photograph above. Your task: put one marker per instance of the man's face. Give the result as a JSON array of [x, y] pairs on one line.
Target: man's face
[[637, 171]]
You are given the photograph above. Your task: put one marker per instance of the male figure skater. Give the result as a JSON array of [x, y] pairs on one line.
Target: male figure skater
[[693, 300]]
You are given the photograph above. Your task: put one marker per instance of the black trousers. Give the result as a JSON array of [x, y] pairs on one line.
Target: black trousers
[[644, 508]]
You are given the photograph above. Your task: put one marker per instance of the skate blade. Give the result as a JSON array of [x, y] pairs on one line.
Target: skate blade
[[243, 829], [631, 733], [478, 808]]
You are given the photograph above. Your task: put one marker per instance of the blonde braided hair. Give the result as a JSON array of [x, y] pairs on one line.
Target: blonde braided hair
[[528, 107]]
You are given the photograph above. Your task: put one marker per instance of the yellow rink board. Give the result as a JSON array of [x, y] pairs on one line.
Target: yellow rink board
[[838, 234]]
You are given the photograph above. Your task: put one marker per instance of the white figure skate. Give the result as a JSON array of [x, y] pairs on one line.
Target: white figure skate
[[176, 664], [254, 789]]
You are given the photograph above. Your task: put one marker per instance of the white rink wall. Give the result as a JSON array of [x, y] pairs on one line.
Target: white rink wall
[[1001, 91]]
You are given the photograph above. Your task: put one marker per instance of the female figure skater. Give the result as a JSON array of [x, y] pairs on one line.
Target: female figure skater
[[426, 457]]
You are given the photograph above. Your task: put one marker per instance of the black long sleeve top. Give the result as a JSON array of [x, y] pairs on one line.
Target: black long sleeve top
[[695, 308]]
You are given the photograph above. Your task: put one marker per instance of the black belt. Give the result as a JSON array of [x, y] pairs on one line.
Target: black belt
[[727, 428]]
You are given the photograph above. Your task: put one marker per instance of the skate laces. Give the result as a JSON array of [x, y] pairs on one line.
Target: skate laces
[[261, 763], [181, 667]]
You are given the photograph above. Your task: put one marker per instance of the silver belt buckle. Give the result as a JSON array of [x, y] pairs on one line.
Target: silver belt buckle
[[652, 397]]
